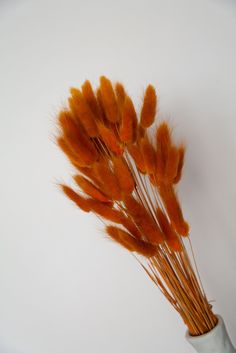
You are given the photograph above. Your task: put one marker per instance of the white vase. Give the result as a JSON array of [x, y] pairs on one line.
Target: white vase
[[215, 341]]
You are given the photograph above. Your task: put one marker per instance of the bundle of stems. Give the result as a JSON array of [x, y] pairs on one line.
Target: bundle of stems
[[126, 173]]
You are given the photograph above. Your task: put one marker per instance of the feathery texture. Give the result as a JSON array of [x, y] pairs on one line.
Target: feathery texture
[[76, 139], [90, 98], [109, 100], [129, 122], [149, 107], [123, 175], [149, 155], [90, 189], [110, 139], [108, 180], [82, 112], [130, 181], [130, 243], [180, 164], [170, 235], [173, 208], [80, 201]]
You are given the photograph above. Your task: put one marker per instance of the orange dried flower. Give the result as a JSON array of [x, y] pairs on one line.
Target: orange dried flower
[[172, 165], [90, 189], [109, 100], [130, 243], [105, 211], [128, 128], [173, 208], [80, 201], [170, 235], [148, 112], [130, 225], [130, 182], [90, 98], [110, 139], [137, 156], [149, 155], [76, 139], [123, 175], [163, 141], [82, 112], [108, 181], [143, 220], [120, 95], [180, 165], [74, 159]]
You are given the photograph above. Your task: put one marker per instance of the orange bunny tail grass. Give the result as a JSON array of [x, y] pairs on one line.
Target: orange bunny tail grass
[[111, 141], [128, 129], [170, 235], [106, 211], [172, 165], [126, 176], [163, 142], [76, 139], [90, 98], [130, 226], [181, 152], [173, 208], [74, 159], [123, 175], [144, 221], [149, 107], [130, 243], [90, 189], [109, 100], [80, 201], [120, 95], [136, 154], [108, 181], [149, 155], [83, 113]]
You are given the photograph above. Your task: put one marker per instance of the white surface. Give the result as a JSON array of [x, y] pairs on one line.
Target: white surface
[[215, 341], [63, 286]]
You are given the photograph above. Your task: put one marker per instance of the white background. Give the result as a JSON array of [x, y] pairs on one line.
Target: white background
[[64, 288]]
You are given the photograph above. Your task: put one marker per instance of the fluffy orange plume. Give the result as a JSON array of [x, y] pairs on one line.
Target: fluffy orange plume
[[180, 165], [149, 155], [100, 104], [120, 95], [163, 140], [123, 175], [128, 128], [172, 164], [83, 113], [143, 220], [80, 201], [90, 189], [130, 243], [149, 107], [109, 100], [170, 235], [90, 98], [129, 224], [76, 139], [108, 181], [74, 159], [106, 211], [136, 154], [89, 173], [173, 208], [110, 139], [141, 132]]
